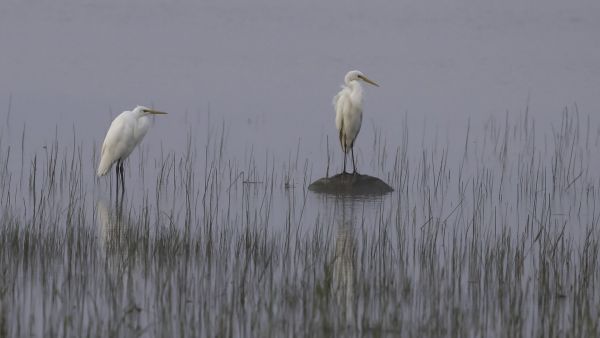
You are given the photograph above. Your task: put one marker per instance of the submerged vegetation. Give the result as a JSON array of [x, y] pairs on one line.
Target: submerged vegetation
[[497, 236]]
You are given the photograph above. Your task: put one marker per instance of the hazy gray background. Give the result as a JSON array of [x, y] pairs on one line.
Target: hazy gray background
[[269, 69]]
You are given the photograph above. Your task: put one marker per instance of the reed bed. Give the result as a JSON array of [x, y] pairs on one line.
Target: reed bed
[[494, 236]]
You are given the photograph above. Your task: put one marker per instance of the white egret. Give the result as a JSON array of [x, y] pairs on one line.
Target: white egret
[[348, 111], [126, 131]]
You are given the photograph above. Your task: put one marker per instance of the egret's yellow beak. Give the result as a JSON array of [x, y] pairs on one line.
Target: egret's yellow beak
[[152, 111], [366, 79]]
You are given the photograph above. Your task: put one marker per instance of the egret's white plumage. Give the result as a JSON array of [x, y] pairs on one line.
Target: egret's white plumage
[[125, 132], [348, 111]]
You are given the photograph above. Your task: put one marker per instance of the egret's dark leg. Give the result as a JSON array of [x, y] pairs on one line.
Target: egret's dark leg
[[117, 172], [122, 179], [119, 197], [119, 209], [345, 150], [343, 144], [353, 163]]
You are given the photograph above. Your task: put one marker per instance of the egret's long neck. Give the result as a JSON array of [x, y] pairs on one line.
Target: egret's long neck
[[355, 91]]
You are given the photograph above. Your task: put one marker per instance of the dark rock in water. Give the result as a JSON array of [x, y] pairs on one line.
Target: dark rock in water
[[350, 184]]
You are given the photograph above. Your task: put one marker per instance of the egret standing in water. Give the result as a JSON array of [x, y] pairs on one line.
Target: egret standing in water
[[126, 131], [348, 112]]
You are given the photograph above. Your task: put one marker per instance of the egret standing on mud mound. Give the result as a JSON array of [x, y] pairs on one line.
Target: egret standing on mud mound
[[126, 131], [348, 111]]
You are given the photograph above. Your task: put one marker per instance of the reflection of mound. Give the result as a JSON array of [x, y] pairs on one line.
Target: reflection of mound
[[350, 184]]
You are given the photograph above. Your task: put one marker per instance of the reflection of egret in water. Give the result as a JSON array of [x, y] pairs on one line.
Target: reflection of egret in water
[[114, 240], [111, 226], [343, 269], [344, 261], [349, 211]]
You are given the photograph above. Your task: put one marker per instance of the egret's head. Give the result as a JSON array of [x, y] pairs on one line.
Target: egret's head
[[355, 75], [146, 111]]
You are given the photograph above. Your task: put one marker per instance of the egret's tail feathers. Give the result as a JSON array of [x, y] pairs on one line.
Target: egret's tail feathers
[[104, 167]]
